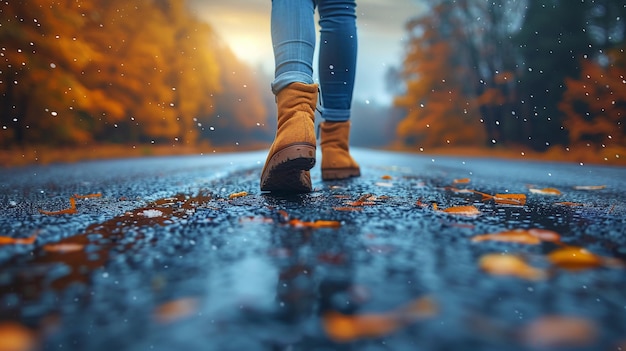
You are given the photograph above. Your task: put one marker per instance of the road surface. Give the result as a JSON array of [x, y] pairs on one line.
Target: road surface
[[420, 253]]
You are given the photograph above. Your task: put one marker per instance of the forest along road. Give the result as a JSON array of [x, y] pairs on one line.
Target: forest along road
[[419, 253]]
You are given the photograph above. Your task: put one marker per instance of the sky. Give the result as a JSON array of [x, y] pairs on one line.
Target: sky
[[245, 27]]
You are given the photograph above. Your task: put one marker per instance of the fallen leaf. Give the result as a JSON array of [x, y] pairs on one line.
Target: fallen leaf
[[363, 200], [568, 203], [461, 181], [239, 194], [589, 187], [518, 236], [545, 191], [347, 209], [386, 177], [6, 240], [510, 199], [64, 247], [344, 328], [521, 236], [317, 224], [70, 210], [462, 210], [175, 310], [575, 258], [509, 265], [16, 337], [87, 196], [551, 332]]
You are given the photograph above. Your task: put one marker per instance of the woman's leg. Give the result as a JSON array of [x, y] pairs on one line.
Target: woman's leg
[[337, 57], [293, 40]]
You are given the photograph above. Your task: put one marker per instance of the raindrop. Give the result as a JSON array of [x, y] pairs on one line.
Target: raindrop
[[54, 113], [52, 65]]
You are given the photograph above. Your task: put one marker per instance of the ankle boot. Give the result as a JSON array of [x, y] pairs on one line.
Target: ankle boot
[[292, 153], [336, 160]]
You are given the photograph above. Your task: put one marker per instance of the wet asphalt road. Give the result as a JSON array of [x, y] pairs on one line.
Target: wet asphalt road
[[171, 255]]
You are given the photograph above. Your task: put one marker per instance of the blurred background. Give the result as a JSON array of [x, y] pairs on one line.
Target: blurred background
[[541, 79]]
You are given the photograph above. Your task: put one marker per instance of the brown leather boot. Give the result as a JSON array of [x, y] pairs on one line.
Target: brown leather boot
[[336, 160], [292, 153]]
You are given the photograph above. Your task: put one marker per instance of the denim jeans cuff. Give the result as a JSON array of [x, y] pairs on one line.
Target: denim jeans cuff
[[335, 115], [287, 78]]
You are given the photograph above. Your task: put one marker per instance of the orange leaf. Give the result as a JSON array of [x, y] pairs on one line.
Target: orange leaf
[[509, 265], [386, 177], [575, 258], [16, 337], [589, 187], [550, 332], [70, 210], [65, 247], [510, 199], [545, 191], [345, 328], [461, 181], [316, 224], [5, 240], [462, 210], [175, 310], [521, 236], [347, 208], [239, 194], [88, 196]]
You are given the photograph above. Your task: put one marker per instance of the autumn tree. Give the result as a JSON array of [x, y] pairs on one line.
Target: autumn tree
[[595, 104], [113, 70], [438, 93]]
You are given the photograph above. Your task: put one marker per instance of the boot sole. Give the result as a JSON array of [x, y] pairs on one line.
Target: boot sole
[[286, 170], [340, 173]]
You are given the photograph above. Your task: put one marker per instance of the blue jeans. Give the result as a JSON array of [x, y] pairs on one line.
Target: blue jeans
[[293, 38]]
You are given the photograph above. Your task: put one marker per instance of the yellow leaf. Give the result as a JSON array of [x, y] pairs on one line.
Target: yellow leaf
[[239, 194]]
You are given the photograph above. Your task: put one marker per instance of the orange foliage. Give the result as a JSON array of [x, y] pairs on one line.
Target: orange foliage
[[16, 337], [114, 70], [316, 224], [510, 265], [469, 211], [439, 109], [345, 328], [575, 258], [521, 236], [593, 104], [5, 240], [545, 191]]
